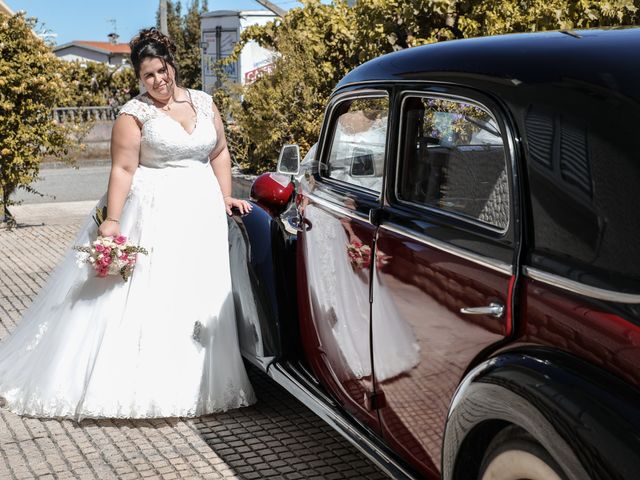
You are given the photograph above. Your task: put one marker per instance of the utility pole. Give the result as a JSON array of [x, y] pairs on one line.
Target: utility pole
[[163, 17], [273, 7]]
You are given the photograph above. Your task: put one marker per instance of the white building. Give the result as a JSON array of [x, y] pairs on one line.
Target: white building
[[221, 30], [104, 52]]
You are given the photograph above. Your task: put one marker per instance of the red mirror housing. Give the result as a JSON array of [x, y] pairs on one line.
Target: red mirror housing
[[272, 191]]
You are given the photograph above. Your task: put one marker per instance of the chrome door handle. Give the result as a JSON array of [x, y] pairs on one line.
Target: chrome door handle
[[494, 309], [299, 224]]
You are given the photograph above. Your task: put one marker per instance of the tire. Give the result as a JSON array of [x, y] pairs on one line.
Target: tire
[[515, 455]]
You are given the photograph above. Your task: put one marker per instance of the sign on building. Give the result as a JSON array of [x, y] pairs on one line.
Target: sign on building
[[217, 45], [221, 31]]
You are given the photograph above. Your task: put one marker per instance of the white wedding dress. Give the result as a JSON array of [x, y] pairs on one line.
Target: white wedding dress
[[163, 344]]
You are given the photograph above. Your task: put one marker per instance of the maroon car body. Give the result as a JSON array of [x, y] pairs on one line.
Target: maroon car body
[[458, 273]]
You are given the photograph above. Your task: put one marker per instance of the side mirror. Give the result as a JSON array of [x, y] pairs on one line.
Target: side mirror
[[362, 163], [289, 160]]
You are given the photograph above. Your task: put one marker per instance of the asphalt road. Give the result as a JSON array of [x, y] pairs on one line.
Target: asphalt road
[[66, 184]]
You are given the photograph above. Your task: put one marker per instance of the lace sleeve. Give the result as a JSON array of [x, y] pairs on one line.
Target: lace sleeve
[[203, 102], [137, 109]]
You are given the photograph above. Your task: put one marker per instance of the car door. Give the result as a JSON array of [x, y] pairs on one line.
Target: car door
[[443, 271], [335, 247]]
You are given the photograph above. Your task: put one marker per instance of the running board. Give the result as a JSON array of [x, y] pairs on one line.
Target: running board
[[373, 448]]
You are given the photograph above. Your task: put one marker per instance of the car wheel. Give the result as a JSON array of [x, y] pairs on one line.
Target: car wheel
[[515, 455]]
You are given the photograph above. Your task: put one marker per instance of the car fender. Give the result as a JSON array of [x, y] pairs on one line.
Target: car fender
[[262, 253], [587, 419]]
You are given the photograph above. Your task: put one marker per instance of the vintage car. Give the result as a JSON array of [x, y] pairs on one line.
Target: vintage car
[[452, 281]]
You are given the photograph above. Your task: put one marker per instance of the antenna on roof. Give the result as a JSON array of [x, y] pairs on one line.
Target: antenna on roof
[[113, 36]]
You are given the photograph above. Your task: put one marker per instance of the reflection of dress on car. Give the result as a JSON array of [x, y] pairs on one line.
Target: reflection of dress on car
[[343, 296]]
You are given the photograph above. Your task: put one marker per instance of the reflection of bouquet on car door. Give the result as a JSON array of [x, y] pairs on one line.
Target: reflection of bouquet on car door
[[360, 255]]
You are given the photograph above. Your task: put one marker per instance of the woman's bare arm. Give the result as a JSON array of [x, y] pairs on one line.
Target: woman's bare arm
[[220, 160], [125, 152]]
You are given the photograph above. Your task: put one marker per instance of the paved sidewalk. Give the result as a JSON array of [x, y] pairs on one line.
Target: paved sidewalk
[[59, 213], [276, 438]]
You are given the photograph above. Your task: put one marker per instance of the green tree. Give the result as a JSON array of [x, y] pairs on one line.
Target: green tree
[[30, 83], [314, 48], [316, 44], [98, 84], [184, 30]]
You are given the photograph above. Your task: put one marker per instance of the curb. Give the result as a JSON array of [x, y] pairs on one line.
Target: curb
[[53, 213], [100, 162]]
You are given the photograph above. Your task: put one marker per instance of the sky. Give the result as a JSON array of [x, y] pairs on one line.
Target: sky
[[71, 20]]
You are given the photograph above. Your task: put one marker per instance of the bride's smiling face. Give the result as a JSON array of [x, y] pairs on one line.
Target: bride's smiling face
[[158, 78]]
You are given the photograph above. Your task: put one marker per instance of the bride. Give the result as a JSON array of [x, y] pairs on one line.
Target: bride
[[163, 344]]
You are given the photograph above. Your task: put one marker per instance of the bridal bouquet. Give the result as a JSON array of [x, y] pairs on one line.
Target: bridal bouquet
[[110, 256]]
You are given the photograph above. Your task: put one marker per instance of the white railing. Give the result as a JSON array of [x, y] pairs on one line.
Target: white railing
[[66, 114]]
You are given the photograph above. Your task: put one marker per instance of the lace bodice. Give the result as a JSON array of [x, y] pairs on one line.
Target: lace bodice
[[165, 143]]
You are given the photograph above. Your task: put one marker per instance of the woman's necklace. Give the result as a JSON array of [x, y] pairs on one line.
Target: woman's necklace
[[167, 106], [172, 100]]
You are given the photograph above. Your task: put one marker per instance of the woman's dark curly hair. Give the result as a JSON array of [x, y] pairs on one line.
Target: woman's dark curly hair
[[152, 43]]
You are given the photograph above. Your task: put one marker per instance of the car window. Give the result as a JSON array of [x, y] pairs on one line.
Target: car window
[[453, 158], [358, 142]]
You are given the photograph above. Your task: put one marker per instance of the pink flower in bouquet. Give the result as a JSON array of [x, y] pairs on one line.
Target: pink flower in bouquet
[[110, 256]]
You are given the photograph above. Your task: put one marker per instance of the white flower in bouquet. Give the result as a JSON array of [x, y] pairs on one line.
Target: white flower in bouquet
[[110, 256]]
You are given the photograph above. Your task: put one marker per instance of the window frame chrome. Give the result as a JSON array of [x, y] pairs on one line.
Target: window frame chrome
[[482, 260], [579, 288]]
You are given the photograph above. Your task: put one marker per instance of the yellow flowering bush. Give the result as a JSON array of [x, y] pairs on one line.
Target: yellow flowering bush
[[31, 83]]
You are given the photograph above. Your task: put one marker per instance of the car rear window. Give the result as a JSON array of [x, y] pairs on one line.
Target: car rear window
[[453, 159]]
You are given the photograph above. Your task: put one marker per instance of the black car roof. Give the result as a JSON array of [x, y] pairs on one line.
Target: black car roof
[[609, 57]]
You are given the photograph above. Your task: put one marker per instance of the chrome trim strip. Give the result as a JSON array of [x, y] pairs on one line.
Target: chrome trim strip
[[337, 208], [457, 251], [580, 288], [425, 81], [386, 81], [481, 260], [262, 363], [337, 421]]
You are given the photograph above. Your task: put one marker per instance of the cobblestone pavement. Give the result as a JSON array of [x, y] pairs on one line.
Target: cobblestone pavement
[[276, 438]]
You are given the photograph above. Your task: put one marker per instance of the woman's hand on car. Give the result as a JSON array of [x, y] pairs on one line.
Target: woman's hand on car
[[242, 205]]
